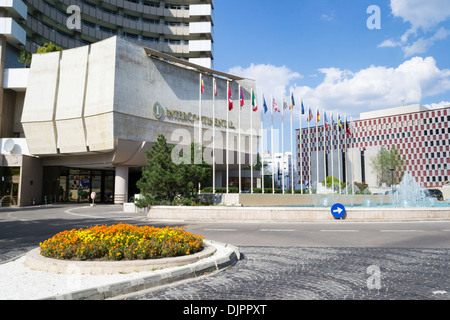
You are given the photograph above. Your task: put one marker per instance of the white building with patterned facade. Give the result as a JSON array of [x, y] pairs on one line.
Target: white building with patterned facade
[[421, 134]]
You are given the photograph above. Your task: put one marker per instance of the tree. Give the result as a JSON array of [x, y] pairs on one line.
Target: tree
[[24, 58], [386, 160], [48, 47], [163, 181]]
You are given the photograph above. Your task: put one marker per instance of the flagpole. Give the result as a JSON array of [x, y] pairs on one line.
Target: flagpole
[[239, 137], [310, 152], [300, 155], [214, 135], [251, 143], [346, 164], [353, 162], [332, 152], [228, 136], [317, 149], [339, 152], [273, 154], [324, 147], [262, 145], [292, 149], [200, 142], [282, 142]]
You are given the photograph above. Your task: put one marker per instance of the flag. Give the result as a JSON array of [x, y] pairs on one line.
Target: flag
[[292, 105], [275, 106], [215, 88], [241, 98], [318, 116], [310, 117], [303, 108], [230, 99], [340, 123], [265, 105], [325, 120], [203, 84], [255, 107], [348, 129]]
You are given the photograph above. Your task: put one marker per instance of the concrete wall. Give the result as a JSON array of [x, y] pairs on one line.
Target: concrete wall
[[100, 98]]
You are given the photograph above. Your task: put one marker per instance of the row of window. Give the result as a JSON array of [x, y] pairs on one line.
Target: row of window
[[438, 179], [431, 155]]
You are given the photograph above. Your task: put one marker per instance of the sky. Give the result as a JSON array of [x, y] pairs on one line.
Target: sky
[[336, 55]]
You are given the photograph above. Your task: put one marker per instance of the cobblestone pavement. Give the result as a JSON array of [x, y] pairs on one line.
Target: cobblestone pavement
[[274, 273]]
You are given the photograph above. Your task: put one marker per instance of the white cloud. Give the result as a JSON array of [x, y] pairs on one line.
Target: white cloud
[[347, 92], [439, 105], [424, 17], [389, 44], [421, 14], [423, 44], [270, 79]]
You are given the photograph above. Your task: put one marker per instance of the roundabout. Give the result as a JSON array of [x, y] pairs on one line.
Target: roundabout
[[33, 278]]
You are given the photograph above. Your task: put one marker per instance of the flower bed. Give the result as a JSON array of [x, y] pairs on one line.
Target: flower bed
[[121, 242]]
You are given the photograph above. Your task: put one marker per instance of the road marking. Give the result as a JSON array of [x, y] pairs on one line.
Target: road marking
[[339, 230], [276, 230], [402, 231]]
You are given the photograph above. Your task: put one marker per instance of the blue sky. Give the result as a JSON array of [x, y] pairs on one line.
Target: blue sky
[[323, 51]]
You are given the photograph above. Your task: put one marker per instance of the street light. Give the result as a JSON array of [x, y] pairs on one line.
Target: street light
[[392, 176]]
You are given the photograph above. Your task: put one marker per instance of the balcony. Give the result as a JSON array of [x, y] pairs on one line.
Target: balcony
[[16, 79]]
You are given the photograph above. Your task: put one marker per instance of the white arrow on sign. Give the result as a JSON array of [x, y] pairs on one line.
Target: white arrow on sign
[[338, 210]]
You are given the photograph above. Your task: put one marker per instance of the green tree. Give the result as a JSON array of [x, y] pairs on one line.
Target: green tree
[[24, 58], [48, 47], [386, 160], [164, 181], [198, 172]]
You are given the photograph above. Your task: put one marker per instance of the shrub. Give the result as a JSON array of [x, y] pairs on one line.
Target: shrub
[[121, 241]]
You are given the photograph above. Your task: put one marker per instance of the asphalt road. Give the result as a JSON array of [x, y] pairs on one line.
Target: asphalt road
[[323, 261]]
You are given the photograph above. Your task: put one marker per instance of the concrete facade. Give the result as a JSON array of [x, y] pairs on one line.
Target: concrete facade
[[101, 107]]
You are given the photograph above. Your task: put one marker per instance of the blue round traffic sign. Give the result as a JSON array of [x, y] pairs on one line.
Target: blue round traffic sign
[[338, 211]]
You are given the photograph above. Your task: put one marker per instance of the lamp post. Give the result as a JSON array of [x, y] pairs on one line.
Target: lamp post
[[392, 177]]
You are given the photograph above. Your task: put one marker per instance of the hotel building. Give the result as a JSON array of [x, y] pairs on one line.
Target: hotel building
[[183, 29], [84, 118], [421, 135], [80, 121]]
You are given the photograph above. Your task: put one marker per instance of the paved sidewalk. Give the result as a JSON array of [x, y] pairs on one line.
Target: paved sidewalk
[[19, 282]]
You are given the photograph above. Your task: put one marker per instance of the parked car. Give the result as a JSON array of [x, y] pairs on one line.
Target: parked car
[[435, 193]]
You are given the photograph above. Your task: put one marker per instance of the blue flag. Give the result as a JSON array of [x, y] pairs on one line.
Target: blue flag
[[303, 108], [265, 105]]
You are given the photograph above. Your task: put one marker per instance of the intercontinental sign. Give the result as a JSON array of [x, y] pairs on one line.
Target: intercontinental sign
[[172, 114]]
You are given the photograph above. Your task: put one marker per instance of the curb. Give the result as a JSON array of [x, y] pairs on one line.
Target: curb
[[35, 261], [207, 265]]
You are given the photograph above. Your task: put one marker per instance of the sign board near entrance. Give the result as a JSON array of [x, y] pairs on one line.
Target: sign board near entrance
[[93, 194]]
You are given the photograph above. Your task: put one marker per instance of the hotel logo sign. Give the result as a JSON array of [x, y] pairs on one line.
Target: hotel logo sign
[[158, 110]]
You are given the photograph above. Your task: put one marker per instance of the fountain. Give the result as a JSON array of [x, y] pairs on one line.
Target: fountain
[[409, 194]]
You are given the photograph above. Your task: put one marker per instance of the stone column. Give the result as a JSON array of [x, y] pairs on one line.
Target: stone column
[[3, 13], [121, 185]]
